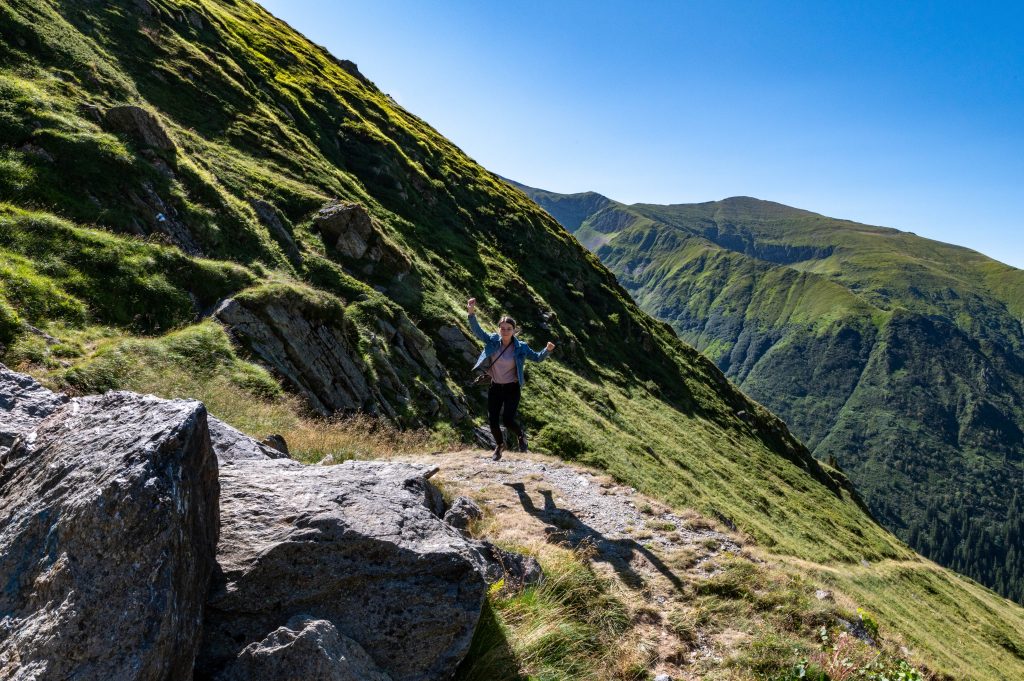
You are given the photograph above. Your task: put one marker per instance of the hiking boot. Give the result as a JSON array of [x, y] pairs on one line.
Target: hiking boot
[[497, 453], [522, 443]]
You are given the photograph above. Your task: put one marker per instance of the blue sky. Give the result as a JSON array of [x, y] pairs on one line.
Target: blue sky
[[907, 115]]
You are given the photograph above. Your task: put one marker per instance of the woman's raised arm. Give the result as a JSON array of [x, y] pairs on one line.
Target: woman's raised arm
[[474, 325]]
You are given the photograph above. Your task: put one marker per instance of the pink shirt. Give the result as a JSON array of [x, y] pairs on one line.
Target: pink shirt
[[503, 370]]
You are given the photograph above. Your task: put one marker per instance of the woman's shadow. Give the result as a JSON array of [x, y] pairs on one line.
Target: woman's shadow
[[563, 527]]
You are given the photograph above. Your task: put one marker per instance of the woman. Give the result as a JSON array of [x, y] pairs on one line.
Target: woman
[[505, 355]]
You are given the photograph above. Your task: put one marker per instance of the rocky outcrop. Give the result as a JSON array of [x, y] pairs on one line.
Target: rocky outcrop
[[458, 343], [346, 227], [315, 357], [353, 545], [140, 125], [316, 352], [351, 232], [136, 533], [108, 523], [307, 649], [153, 215]]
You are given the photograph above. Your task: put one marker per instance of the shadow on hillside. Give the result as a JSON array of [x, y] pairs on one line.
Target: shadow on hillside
[[490, 657], [565, 528]]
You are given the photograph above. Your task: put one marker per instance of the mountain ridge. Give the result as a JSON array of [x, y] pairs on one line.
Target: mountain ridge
[[114, 251], [833, 329]]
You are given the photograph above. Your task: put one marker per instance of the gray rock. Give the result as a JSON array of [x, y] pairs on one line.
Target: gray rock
[[231, 444], [275, 441], [305, 649], [483, 437], [463, 510], [350, 230], [823, 595], [352, 544], [456, 340], [345, 226], [140, 125], [318, 357], [857, 628], [23, 404], [662, 677], [108, 526], [516, 569], [155, 216]]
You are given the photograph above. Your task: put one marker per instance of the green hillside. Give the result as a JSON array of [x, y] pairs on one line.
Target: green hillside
[[896, 356], [122, 229]]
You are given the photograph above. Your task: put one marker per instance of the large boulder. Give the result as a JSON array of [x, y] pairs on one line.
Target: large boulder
[[108, 528], [346, 227], [350, 230], [353, 545]]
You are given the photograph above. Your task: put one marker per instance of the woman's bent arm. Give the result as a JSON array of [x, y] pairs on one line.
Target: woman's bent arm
[[533, 354]]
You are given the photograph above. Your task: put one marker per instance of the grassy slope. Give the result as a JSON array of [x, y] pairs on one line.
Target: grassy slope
[[256, 112], [912, 382]]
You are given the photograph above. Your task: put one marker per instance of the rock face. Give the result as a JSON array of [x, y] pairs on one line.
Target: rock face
[[307, 649], [108, 526], [457, 342], [352, 545], [319, 358], [316, 358], [139, 124]]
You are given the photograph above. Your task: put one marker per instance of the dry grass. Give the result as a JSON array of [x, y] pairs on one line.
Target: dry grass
[[199, 363], [357, 437]]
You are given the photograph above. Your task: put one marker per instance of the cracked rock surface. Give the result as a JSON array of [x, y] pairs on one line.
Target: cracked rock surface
[[108, 523], [354, 545]]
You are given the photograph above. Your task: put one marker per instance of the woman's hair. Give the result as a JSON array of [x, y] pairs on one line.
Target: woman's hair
[[508, 320]]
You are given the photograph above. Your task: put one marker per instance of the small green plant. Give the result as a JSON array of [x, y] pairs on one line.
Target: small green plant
[[869, 622], [661, 525]]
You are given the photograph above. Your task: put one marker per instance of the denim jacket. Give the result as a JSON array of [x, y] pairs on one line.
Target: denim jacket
[[492, 343]]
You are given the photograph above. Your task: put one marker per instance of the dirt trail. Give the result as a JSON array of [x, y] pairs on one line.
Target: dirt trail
[[648, 551]]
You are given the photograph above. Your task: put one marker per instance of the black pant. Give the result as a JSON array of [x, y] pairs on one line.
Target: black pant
[[503, 395]]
